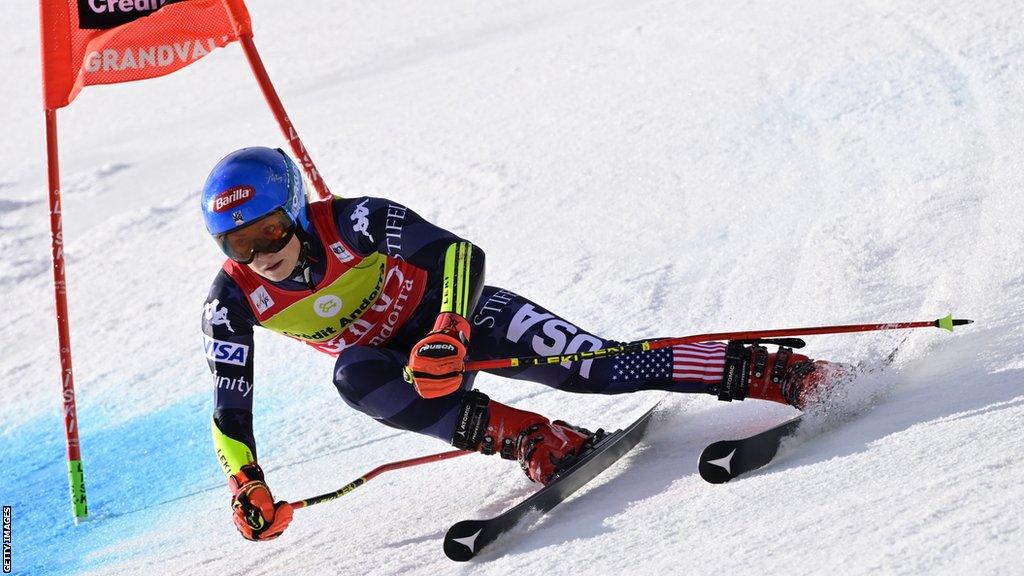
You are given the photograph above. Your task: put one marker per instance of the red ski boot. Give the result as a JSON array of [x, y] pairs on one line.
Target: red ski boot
[[783, 377], [543, 448]]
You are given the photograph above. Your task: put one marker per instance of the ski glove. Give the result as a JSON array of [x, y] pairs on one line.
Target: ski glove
[[255, 513], [438, 361]]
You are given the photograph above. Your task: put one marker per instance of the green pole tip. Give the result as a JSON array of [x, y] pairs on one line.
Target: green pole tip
[[946, 323], [76, 479]]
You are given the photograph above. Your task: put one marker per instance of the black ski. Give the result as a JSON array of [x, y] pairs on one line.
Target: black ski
[[722, 461], [467, 538]]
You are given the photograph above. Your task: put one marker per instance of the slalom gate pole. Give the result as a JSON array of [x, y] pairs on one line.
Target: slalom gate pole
[[645, 345], [287, 128], [375, 472], [76, 475]]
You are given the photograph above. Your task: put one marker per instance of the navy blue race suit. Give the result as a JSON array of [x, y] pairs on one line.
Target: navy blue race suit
[[369, 375]]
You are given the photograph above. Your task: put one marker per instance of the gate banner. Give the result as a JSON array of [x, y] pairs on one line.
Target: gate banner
[[88, 42]]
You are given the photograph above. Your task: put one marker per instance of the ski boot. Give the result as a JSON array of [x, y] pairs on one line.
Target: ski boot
[[543, 448], [784, 377]]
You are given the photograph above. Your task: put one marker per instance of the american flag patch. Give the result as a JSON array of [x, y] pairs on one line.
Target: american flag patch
[[704, 362], [690, 362]]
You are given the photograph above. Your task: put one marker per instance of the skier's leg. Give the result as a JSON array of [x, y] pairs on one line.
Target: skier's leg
[[506, 324], [784, 376], [369, 379]]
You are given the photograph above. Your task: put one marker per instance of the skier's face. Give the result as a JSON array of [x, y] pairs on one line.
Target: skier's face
[[278, 265]]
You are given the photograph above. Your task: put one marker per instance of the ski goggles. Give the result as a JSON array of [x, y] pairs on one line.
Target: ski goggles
[[268, 234]]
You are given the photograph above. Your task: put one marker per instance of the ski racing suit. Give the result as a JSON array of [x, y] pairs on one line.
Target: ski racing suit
[[368, 286]]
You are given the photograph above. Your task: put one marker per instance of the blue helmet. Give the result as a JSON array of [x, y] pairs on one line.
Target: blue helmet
[[250, 183]]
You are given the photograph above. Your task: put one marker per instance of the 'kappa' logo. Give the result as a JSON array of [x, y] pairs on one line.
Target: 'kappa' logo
[[231, 198], [217, 316], [359, 216]]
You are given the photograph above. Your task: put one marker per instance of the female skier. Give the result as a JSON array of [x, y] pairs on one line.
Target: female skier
[[402, 304]]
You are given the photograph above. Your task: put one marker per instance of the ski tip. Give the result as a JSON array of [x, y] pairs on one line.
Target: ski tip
[[948, 322], [460, 543], [715, 462]]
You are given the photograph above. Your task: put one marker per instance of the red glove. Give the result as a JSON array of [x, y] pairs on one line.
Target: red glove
[[437, 362], [255, 514]]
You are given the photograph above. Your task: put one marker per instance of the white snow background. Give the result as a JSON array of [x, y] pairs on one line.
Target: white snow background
[[644, 168]]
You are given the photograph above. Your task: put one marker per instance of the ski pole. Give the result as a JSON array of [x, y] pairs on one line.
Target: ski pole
[[375, 472], [946, 323]]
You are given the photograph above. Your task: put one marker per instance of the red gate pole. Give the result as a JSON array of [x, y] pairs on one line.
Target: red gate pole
[[76, 476], [287, 128]]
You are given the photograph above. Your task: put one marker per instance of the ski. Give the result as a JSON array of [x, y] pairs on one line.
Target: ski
[[724, 460], [466, 539]]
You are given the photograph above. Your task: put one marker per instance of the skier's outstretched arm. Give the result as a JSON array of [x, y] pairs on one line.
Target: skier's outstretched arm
[[228, 342]]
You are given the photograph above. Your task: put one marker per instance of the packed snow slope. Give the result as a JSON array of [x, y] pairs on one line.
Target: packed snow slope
[[645, 168]]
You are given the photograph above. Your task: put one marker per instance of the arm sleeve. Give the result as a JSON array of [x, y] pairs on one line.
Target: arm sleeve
[[233, 453], [456, 288], [227, 325]]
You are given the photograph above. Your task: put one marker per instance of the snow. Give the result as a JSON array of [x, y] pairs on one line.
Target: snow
[[644, 168]]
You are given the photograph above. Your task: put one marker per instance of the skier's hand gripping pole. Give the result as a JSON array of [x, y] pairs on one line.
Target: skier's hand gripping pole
[[438, 361], [256, 515]]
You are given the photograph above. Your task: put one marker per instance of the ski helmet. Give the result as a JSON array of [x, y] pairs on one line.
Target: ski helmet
[[250, 184]]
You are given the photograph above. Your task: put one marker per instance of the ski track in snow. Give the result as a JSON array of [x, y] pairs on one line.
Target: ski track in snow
[[643, 168]]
